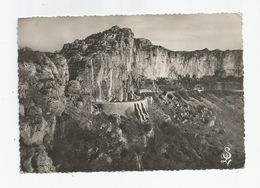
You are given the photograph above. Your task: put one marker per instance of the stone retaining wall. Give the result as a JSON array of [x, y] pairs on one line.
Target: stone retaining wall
[[121, 108]]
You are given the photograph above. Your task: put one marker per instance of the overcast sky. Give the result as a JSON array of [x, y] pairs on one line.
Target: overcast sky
[[175, 32]]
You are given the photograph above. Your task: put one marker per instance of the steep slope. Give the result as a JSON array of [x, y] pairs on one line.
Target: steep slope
[[60, 132], [102, 63], [42, 81], [109, 64], [186, 130]]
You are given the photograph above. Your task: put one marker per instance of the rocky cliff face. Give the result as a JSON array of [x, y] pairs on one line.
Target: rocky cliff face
[[56, 90], [102, 63], [156, 61], [42, 81], [109, 64]]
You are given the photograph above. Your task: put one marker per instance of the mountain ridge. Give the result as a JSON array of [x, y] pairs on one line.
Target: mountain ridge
[[115, 28], [100, 59], [60, 129]]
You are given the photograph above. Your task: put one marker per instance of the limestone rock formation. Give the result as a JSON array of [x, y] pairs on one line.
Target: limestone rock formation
[[56, 91], [109, 64], [42, 81]]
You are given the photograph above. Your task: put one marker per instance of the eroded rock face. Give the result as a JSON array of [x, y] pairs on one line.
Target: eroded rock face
[[109, 64], [156, 61], [56, 90], [42, 81], [102, 63]]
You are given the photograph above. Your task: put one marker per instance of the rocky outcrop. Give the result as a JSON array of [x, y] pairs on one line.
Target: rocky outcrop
[[156, 62], [109, 64], [42, 81], [56, 92], [102, 63]]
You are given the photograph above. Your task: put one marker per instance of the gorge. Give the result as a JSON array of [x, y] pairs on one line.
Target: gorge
[[60, 132]]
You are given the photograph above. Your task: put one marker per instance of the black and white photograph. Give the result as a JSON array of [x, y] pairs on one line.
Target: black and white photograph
[[131, 93]]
